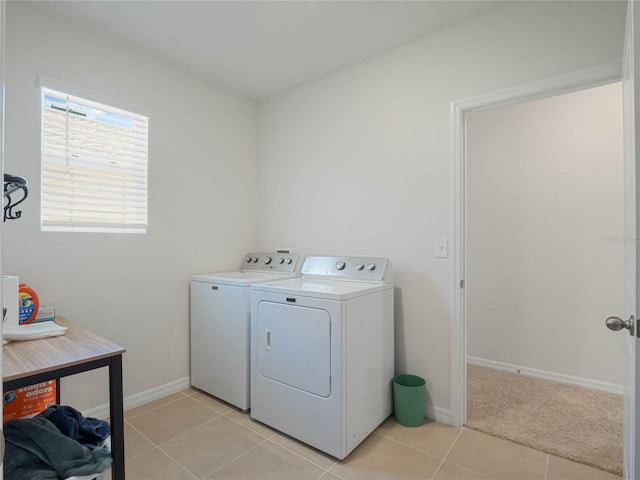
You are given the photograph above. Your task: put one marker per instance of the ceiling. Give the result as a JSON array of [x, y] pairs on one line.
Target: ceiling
[[262, 48]]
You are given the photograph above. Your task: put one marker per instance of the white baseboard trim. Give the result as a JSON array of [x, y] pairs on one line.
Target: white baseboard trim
[[547, 375], [137, 399], [438, 414]]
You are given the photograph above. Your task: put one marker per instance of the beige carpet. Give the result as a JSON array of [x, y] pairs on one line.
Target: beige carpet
[[572, 422]]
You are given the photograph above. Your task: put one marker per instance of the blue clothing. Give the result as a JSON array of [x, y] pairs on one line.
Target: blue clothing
[[37, 450], [89, 432]]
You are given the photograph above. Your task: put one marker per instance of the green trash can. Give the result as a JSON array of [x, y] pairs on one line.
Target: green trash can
[[409, 393]]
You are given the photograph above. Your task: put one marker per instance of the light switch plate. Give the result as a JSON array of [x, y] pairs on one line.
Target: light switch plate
[[442, 248]]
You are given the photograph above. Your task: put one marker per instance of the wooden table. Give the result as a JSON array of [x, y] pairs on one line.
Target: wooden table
[[78, 350]]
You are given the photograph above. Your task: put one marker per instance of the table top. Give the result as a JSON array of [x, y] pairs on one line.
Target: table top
[[78, 345]]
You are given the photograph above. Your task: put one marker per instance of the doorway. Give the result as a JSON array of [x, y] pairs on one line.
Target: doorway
[[571, 82], [544, 266]]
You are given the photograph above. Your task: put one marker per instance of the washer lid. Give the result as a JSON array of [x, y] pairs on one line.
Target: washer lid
[[316, 288], [242, 279]]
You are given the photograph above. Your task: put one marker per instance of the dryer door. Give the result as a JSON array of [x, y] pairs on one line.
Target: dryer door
[[294, 346]]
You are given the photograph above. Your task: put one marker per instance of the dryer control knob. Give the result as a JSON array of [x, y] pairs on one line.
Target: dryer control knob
[[359, 266], [340, 265], [289, 261], [249, 260], [281, 260], [267, 260], [371, 266], [255, 259]]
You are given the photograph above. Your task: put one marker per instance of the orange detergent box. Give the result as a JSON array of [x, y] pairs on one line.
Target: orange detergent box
[[28, 401]]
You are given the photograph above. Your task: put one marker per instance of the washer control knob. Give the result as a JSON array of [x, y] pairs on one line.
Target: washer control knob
[[249, 259], [340, 265], [359, 266], [267, 260], [289, 261], [255, 259], [281, 260], [371, 266]]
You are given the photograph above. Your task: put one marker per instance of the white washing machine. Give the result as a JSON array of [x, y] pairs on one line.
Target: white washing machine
[[322, 352], [220, 320]]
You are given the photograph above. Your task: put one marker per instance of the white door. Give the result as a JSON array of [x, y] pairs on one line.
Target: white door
[[632, 209], [294, 346], [2, 30]]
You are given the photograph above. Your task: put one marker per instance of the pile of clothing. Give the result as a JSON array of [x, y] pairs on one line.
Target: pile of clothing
[[57, 443]]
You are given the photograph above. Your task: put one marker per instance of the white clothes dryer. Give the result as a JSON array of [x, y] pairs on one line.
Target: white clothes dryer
[[322, 356], [220, 316]]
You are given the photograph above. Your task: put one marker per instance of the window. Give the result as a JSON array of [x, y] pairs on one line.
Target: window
[[94, 166]]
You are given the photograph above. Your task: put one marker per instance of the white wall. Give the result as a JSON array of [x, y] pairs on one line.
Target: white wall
[[355, 163], [132, 289], [358, 162], [544, 234]]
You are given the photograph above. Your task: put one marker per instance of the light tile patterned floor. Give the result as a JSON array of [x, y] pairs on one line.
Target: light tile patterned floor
[[190, 435]]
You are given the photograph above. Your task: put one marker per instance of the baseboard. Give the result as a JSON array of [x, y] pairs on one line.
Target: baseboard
[[438, 414], [137, 399], [547, 375]]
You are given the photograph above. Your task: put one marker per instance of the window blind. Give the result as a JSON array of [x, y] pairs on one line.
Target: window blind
[[94, 166]]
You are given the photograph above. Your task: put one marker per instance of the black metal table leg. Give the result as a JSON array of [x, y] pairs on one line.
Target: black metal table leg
[[116, 409], [57, 380]]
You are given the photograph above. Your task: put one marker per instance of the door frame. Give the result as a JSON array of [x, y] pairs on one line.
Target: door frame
[[3, 30], [549, 87]]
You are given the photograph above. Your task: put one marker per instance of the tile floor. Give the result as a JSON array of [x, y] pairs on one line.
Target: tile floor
[[190, 435]]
